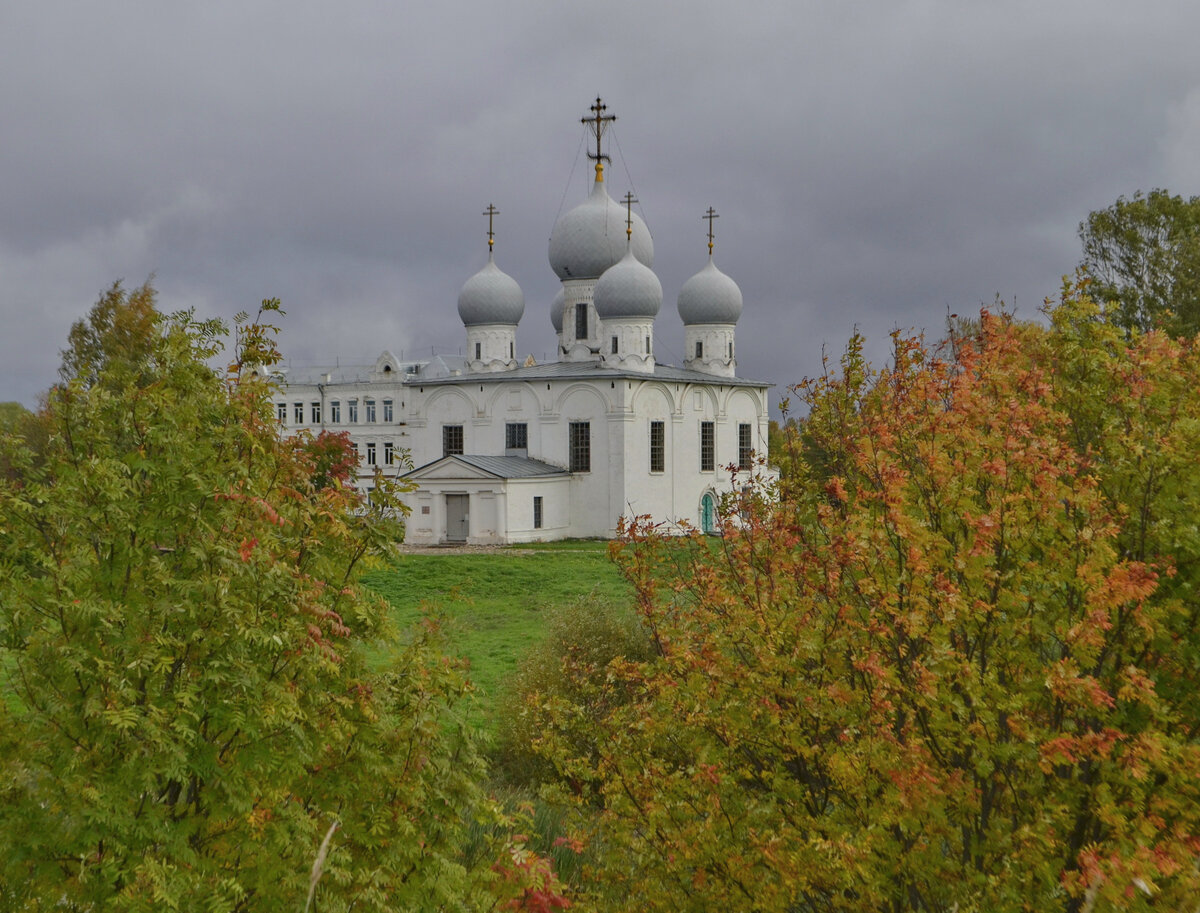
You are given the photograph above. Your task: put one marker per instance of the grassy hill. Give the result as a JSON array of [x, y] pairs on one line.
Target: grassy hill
[[494, 604]]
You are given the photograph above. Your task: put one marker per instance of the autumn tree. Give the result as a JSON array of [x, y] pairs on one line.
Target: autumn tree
[[950, 668], [1143, 255], [186, 708]]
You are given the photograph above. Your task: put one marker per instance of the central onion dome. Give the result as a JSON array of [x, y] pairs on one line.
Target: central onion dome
[[628, 289], [491, 296], [591, 237], [710, 297]]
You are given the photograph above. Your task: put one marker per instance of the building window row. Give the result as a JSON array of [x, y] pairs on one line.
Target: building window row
[[335, 412]]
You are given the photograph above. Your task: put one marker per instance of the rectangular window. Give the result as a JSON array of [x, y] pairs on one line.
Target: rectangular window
[[614, 345], [699, 349], [335, 412], [478, 351], [370, 454], [537, 511], [452, 439], [516, 436], [581, 447], [354, 450], [298, 413], [370, 407], [281, 412], [708, 449], [389, 413], [731, 350], [389, 453], [745, 447], [316, 413], [581, 321], [658, 447], [647, 345], [353, 412]]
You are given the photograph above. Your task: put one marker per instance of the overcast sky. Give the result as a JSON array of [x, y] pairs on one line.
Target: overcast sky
[[874, 164]]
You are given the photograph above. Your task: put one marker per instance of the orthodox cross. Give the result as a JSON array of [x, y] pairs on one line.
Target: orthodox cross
[[597, 124], [490, 212], [629, 201], [710, 215]]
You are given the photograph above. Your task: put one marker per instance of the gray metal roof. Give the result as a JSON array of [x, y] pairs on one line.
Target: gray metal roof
[[588, 370], [504, 467]]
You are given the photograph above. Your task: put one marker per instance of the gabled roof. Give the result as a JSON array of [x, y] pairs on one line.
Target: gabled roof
[[474, 466]]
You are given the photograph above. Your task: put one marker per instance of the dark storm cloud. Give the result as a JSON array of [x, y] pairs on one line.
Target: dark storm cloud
[[875, 164]]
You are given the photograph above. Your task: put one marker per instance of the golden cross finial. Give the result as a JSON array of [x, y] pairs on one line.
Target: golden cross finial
[[710, 215], [490, 212], [629, 201], [597, 124]]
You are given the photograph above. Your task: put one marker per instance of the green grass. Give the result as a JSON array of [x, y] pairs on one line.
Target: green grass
[[495, 604]]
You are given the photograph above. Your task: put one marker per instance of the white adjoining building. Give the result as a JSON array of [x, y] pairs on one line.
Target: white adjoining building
[[512, 452]]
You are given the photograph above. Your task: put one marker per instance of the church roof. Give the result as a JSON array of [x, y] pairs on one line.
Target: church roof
[[589, 370], [502, 467]]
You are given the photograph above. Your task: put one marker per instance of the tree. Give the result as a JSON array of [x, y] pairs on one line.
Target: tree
[[187, 707], [1143, 256], [950, 668]]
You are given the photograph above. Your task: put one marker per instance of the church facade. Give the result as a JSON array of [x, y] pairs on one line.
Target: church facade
[[503, 451]]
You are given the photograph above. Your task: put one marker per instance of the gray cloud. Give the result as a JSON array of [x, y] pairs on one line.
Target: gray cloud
[[874, 164]]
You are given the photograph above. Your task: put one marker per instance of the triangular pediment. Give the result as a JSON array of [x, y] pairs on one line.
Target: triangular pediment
[[449, 467]]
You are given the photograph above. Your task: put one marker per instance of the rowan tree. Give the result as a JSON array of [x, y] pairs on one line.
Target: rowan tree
[[951, 667], [187, 709]]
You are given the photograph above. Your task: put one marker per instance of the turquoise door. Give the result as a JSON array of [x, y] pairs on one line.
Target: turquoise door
[[707, 509]]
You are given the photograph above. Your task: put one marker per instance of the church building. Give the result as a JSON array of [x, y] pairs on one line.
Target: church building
[[504, 451]]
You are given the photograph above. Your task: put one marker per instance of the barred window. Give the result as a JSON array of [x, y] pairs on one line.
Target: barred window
[[537, 511], [658, 447], [452, 439], [478, 351], [745, 447], [516, 436], [581, 446], [614, 345], [708, 449], [581, 321]]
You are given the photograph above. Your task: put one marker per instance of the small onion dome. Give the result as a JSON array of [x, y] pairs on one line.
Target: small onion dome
[[491, 296], [710, 297], [629, 289], [591, 237], [556, 309]]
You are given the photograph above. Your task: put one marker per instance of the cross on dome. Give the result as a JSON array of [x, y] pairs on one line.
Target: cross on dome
[[710, 215], [597, 123], [629, 201], [490, 212]]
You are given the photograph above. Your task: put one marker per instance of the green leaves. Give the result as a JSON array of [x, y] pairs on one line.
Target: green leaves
[[948, 669], [186, 705]]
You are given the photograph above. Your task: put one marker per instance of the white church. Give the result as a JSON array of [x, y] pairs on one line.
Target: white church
[[508, 451]]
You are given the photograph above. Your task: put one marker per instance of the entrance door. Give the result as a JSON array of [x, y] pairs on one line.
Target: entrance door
[[707, 509], [457, 517]]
